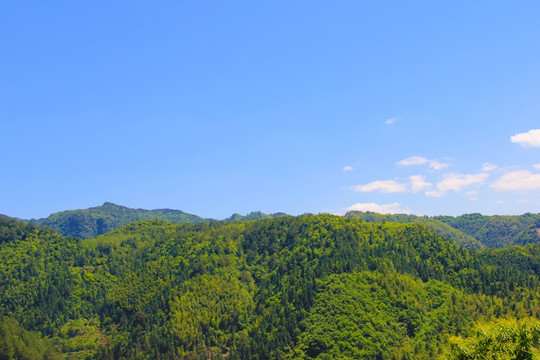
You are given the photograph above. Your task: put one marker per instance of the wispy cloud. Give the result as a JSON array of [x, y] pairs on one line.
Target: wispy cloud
[[457, 182], [488, 167], [385, 186], [348, 168], [413, 160], [390, 121], [393, 208], [528, 139], [420, 160], [419, 183], [435, 165], [536, 166], [520, 180]]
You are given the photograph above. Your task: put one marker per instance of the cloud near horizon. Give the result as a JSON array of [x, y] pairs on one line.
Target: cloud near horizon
[[520, 180], [528, 139], [457, 182]]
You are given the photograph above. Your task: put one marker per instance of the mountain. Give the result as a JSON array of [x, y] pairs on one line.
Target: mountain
[[443, 229], [472, 231], [497, 231], [98, 220], [255, 215], [289, 287], [101, 219]]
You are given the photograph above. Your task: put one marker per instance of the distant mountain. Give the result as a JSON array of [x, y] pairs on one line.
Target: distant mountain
[[255, 215], [457, 236], [101, 219], [473, 231], [498, 231]]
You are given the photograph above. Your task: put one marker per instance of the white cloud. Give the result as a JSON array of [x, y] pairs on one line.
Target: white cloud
[[488, 167], [385, 186], [520, 180], [413, 160], [393, 208], [390, 121], [420, 160], [457, 182], [536, 166], [500, 201], [348, 168], [435, 165], [419, 183], [528, 139]]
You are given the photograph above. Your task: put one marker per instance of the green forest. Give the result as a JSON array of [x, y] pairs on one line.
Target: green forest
[[274, 287], [98, 220]]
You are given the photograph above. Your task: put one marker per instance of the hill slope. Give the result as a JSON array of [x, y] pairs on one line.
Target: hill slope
[[497, 231], [307, 287], [101, 219], [98, 220], [443, 229]]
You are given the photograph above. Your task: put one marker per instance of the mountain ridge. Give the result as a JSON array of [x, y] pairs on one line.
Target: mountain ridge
[[473, 231], [293, 287], [97, 220]]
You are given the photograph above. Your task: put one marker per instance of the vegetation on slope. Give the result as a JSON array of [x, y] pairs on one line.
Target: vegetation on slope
[[284, 288], [500, 340], [255, 215], [107, 217], [443, 229], [99, 220], [497, 231]]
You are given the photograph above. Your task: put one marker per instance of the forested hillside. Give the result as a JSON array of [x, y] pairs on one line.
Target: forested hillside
[[472, 231], [306, 287], [98, 220], [498, 231], [255, 215], [443, 229]]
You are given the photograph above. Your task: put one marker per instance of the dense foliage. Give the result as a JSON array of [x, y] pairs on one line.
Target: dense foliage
[[307, 287], [500, 340], [445, 230], [107, 217], [255, 215], [472, 231], [498, 231]]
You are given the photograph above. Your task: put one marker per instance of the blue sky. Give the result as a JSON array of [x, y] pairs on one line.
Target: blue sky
[[215, 107]]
